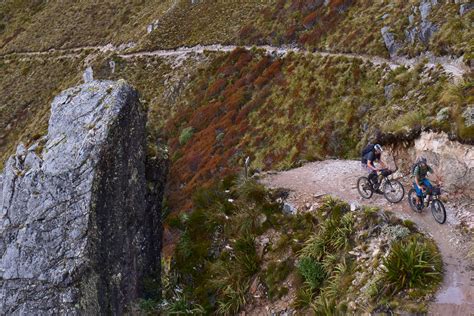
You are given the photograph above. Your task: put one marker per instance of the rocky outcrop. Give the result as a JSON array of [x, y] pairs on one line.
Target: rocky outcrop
[[389, 39], [453, 162], [78, 229], [424, 29]]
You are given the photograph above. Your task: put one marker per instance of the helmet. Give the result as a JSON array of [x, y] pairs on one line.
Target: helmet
[[422, 160], [377, 147]]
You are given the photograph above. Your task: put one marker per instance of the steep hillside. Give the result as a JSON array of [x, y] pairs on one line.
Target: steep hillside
[[325, 78], [358, 26], [41, 25], [246, 103]]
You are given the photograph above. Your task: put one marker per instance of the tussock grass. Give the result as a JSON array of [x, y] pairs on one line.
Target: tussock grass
[[412, 263]]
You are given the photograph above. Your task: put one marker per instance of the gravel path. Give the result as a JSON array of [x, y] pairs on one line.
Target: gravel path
[[339, 178], [454, 66]]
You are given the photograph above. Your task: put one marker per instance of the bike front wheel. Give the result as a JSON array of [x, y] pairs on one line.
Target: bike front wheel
[[393, 191], [438, 211], [412, 200], [364, 187]]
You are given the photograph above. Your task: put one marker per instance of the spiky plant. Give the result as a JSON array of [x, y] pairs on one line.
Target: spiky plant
[[231, 299], [324, 306], [412, 264], [339, 280], [304, 297]]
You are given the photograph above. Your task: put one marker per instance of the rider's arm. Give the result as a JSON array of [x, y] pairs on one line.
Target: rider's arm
[[371, 165], [417, 177], [436, 177]]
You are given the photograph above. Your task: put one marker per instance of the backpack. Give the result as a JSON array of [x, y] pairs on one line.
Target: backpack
[[416, 164], [365, 151]]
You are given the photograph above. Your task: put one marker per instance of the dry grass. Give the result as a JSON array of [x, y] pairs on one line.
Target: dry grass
[[26, 91], [41, 25], [206, 22]]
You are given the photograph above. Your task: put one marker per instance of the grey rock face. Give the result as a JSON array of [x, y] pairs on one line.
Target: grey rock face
[[465, 8], [425, 9], [74, 224], [427, 29], [389, 40], [423, 30], [410, 34], [452, 161]]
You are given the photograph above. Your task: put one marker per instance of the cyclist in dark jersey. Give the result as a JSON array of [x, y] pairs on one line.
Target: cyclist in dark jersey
[[374, 156]]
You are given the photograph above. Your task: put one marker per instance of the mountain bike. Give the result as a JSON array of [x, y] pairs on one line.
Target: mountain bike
[[391, 189], [429, 197]]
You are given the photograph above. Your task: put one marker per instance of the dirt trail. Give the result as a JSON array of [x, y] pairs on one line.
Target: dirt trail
[[339, 177], [451, 65]]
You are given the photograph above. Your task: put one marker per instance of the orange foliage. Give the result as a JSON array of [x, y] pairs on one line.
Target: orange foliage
[[310, 20], [207, 156], [216, 87], [290, 34]]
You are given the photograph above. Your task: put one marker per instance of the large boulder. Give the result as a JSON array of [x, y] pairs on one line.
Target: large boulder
[[76, 234]]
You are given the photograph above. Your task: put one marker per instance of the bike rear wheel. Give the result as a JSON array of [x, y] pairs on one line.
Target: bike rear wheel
[[438, 211], [364, 187], [393, 191], [412, 200]]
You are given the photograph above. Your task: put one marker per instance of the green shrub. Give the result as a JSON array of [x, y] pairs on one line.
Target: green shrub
[[312, 271], [412, 264], [186, 135]]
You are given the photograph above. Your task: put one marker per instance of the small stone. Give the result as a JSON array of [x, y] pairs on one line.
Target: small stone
[[88, 74], [112, 66], [376, 252], [352, 306], [355, 206], [149, 28], [289, 209], [443, 114], [468, 115]]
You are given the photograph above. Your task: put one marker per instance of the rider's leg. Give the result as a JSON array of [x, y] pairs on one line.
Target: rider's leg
[[419, 193], [373, 177], [427, 184]]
